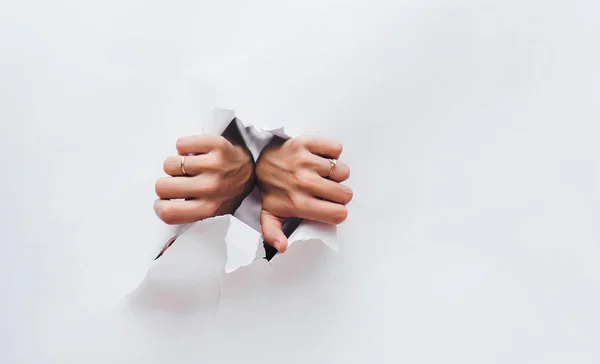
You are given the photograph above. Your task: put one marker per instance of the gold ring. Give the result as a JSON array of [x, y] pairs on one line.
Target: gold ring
[[333, 163], [183, 165]]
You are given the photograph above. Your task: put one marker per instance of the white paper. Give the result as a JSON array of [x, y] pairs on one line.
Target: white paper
[[471, 129], [243, 238]]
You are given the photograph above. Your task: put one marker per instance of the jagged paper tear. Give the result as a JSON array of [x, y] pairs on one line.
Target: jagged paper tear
[[191, 268], [244, 243]]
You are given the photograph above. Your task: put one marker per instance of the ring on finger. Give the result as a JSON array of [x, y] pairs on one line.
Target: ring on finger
[[183, 166], [333, 163]]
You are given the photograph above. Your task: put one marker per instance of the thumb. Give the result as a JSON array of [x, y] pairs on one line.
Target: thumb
[[272, 231]]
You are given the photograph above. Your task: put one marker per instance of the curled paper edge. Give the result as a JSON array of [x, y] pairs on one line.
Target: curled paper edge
[[219, 245], [244, 244], [219, 120]]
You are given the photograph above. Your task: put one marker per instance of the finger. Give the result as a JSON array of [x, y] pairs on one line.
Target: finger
[[323, 211], [193, 164], [322, 146], [183, 187], [200, 144], [183, 212], [340, 172], [330, 191], [272, 229]]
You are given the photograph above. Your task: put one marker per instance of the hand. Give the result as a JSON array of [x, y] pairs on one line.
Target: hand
[[220, 174], [293, 180]]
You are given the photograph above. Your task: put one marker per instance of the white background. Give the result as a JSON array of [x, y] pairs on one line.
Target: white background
[[471, 128]]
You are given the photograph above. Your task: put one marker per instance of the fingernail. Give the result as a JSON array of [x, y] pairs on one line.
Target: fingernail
[[277, 245]]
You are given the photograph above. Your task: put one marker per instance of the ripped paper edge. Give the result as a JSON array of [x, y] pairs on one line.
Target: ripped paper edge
[[242, 240]]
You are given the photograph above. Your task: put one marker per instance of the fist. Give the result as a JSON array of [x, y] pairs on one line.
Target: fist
[[297, 178], [218, 176]]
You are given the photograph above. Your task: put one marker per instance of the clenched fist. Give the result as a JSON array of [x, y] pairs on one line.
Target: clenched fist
[[218, 175], [298, 179]]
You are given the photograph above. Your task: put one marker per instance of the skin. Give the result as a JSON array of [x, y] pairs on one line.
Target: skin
[[292, 177], [220, 176]]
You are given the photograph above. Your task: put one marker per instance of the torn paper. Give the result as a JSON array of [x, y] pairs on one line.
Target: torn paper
[[190, 296], [243, 239], [187, 277]]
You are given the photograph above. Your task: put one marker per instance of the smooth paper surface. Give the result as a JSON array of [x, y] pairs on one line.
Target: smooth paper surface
[[470, 127]]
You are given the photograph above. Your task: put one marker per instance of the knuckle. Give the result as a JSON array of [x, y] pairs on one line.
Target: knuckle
[[214, 161], [221, 143], [211, 186], [299, 202], [218, 161], [307, 181], [297, 142], [304, 160]]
